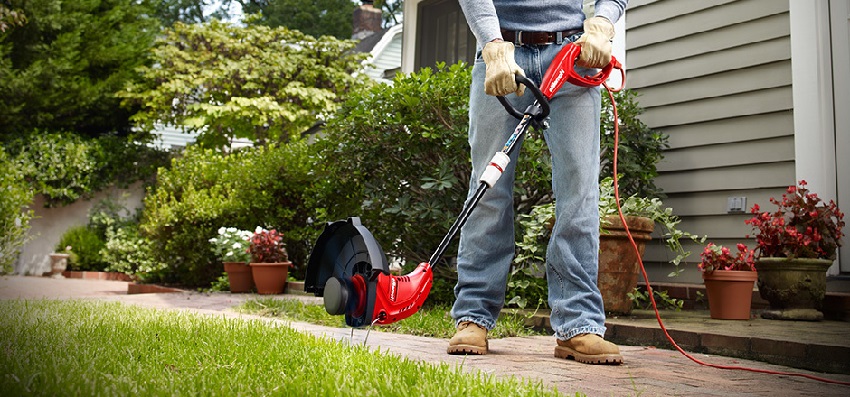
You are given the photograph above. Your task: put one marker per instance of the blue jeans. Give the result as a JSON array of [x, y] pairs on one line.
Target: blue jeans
[[487, 239]]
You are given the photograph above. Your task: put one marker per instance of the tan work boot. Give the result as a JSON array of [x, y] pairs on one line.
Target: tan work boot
[[589, 349], [470, 338]]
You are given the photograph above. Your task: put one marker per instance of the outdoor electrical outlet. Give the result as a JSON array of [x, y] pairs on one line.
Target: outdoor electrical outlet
[[736, 205]]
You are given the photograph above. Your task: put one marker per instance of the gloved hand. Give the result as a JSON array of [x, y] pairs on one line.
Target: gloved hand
[[501, 68], [596, 42]]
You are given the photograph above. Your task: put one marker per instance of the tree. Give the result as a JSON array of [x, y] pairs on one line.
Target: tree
[[10, 17], [316, 18], [187, 11], [226, 81], [61, 68]]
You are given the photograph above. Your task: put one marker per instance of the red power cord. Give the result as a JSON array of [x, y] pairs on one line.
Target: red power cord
[[646, 278]]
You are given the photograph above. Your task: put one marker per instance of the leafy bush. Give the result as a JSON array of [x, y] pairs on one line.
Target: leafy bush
[[86, 244], [640, 149], [129, 252], [15, 195], [204, 190], [398, 157], [65, 167], [526, 283], [60, 166]]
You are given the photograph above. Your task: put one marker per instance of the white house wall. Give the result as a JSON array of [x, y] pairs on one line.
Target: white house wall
[[50, 223]]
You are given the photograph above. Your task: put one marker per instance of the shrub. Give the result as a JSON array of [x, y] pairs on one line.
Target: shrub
[[641, 148], [398, 157], [204, 190], [86, 244], [15, 196], [65, 167], [128, 252], [60, 166]]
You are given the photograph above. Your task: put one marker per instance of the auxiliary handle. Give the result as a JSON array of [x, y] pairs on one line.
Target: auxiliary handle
[[541, 100]]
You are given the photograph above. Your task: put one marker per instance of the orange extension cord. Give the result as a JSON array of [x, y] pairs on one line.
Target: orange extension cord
[[646, 278]]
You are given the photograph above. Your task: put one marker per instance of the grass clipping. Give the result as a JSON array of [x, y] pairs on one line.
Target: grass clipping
[[98, 348]]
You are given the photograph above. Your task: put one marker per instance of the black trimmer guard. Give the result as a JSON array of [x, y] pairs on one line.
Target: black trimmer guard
[[346, 253]]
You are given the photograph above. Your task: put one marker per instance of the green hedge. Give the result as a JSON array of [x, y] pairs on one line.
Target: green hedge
[[65, 167], [85, 245], [204, 190], [15, 195]]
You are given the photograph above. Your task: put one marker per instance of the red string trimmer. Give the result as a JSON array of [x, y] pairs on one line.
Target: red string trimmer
[[347, 266]]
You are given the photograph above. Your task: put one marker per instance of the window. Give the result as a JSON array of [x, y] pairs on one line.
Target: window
[[443, 35]]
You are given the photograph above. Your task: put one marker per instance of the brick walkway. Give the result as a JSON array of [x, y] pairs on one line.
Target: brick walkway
[[647, 371]]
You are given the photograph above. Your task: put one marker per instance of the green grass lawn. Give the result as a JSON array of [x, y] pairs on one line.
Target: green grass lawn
[[88, 348], [429, 321]]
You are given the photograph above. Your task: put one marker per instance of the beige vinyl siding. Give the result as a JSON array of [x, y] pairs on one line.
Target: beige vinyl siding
[[715, 76]]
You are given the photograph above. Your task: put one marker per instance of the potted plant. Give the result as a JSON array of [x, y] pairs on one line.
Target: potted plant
[[618, 261], [728, 281], [269, 261], [231, 247], [796, 244]]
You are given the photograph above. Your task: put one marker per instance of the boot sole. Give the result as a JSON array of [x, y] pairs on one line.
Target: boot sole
[[467, 349], [602, 359]]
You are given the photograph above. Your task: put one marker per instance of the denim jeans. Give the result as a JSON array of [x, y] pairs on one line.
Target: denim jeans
[[487, 239]]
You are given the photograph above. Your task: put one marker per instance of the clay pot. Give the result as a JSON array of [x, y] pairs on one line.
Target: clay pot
[[730, 293], [240, 277], [270, 278], [618, 262]]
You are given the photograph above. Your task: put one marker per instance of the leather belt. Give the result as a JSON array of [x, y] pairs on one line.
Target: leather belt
[[519, 37]]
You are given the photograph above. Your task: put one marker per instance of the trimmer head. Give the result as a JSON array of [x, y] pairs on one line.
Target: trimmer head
[[348, 268], [344, 268]]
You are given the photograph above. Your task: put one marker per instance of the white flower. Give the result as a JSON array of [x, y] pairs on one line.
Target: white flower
[[221, 230], [259, 229], [231, 230], [229, 253], [237, 246]]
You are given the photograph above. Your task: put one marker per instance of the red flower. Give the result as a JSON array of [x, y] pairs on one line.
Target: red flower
[[801, 227], [267, 247], [717, 257]]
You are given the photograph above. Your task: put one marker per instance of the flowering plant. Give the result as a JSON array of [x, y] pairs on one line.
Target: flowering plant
[[266, 247], [802, 227], [231, 244], [717, 257]]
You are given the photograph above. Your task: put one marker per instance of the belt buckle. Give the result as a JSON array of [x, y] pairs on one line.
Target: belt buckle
[[559, 38], [518, 38]]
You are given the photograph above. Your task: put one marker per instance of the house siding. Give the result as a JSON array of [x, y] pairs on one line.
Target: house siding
[[715, 76]]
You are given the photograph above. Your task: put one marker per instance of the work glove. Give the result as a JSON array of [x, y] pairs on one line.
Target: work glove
[[501, 68], [596, 43]]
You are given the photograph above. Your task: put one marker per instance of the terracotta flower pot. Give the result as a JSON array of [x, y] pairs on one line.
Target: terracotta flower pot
[[730, 293], [240, 277], [795, 287], [618, 263], [270, 278]]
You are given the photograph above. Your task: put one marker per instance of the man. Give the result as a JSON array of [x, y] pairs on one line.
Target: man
[[522, 37]]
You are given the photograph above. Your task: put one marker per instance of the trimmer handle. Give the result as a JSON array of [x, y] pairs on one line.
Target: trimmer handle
[[541, 100], [562, 69]]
